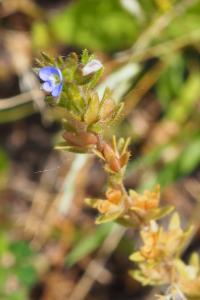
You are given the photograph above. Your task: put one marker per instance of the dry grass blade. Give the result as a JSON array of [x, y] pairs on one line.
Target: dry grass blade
[[95, 268]]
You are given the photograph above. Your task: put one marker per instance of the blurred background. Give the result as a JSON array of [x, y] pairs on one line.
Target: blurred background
[[50, 248]]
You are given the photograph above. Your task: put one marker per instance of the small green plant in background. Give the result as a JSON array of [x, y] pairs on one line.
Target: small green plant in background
[[17, 270], [70, 86]]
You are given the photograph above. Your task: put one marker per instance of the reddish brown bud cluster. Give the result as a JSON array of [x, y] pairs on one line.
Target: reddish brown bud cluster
[[111, 158], [82, 139], [114, 198], [116, 159]]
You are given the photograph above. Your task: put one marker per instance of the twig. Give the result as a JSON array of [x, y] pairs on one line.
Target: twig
[[20, 99]]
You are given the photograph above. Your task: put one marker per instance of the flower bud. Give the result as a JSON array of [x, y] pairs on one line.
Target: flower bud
[[80, 139], [91, 67], [114, 196], [111, 158]]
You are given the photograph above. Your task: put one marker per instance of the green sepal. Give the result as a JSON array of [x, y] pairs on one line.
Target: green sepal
[[91, 114], [108, 217], [94, 79], [83, 80], [97, 127], [61, 60], [194, 260], [108, 170], [47, 59], [159, 213], [91, 202], [106, 95], [39, 63], [36, 70], [98, 154], [75, 97], [136, 257], [70, 67], [174, 222], [85, 57], [107, 105], [73, 120], [116, 114], [50, 100], [66, 101], [67, 126], [182, 268], [121, 144], [128, 222], [137, 275]]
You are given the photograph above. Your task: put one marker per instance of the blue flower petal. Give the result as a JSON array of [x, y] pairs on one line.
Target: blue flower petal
[[47, 86], [46, 72], [57, 90], [60, 75]]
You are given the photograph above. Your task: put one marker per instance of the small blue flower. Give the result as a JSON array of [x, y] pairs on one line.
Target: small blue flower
[[53, 80]]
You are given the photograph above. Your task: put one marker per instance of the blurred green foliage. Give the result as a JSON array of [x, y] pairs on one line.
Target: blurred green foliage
[[171, 81], [88, 244], [93, 24], [17, 272]]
